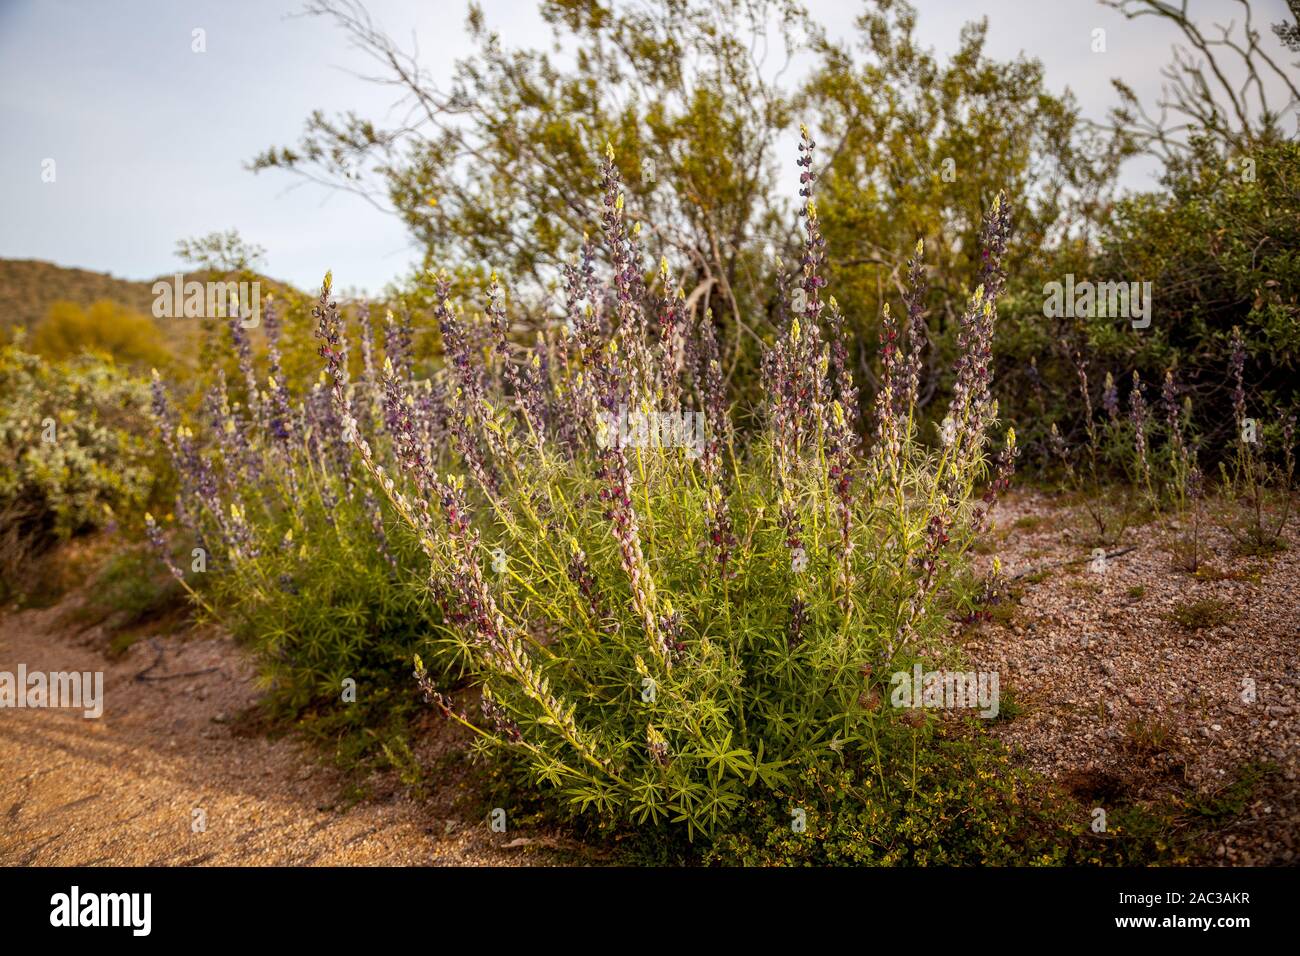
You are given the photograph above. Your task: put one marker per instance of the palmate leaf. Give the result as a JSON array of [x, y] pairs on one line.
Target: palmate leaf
[[722, 758], [647, 802], [769, 772], [720, 804], [596, 796]]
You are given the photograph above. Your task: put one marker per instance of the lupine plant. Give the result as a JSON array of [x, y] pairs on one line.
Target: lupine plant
[[1186, 483], [1252, 478], [661, 627], [281, 538], [1114, 444], [1156, 450]]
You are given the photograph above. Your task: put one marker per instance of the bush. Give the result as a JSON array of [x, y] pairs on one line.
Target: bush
[[104, 328], [666, 624], [74, 452], [275, 536], [1220, 253]]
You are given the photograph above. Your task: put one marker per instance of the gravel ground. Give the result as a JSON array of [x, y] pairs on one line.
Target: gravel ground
[[1116, 697], [122, 789]]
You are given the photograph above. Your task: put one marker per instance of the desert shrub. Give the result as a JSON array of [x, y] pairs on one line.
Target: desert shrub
[[273, 534], [666, 624], [1219, 251], [1154, 449], [75, 452], [130, 588], [104, 328], [1201, 614]]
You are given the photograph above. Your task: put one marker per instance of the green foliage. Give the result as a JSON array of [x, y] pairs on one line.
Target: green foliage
[[919, 147], [1202, 613], [941, 801], [664, 629], [127, 594], [1218, 247], [104, 327], [275, 537], [319, 604], [74, 447], [220, 252], [130, 586]]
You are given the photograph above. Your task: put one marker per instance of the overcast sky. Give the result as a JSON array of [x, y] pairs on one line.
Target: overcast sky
[[150, 139]]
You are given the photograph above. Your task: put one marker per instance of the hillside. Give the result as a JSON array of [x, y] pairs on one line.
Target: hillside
[[29, 287]]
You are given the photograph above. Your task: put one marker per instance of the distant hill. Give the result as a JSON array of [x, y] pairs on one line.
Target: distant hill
[[28, 287]]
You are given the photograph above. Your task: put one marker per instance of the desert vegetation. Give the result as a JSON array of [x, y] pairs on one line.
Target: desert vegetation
[[642, 505]]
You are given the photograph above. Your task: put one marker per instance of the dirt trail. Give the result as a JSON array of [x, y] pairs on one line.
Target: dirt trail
[[122, 789]]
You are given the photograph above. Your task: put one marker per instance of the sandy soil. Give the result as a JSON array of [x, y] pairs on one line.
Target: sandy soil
[[123, 789]]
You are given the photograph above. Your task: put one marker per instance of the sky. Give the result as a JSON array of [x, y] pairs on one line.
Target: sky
[[150, 139]]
